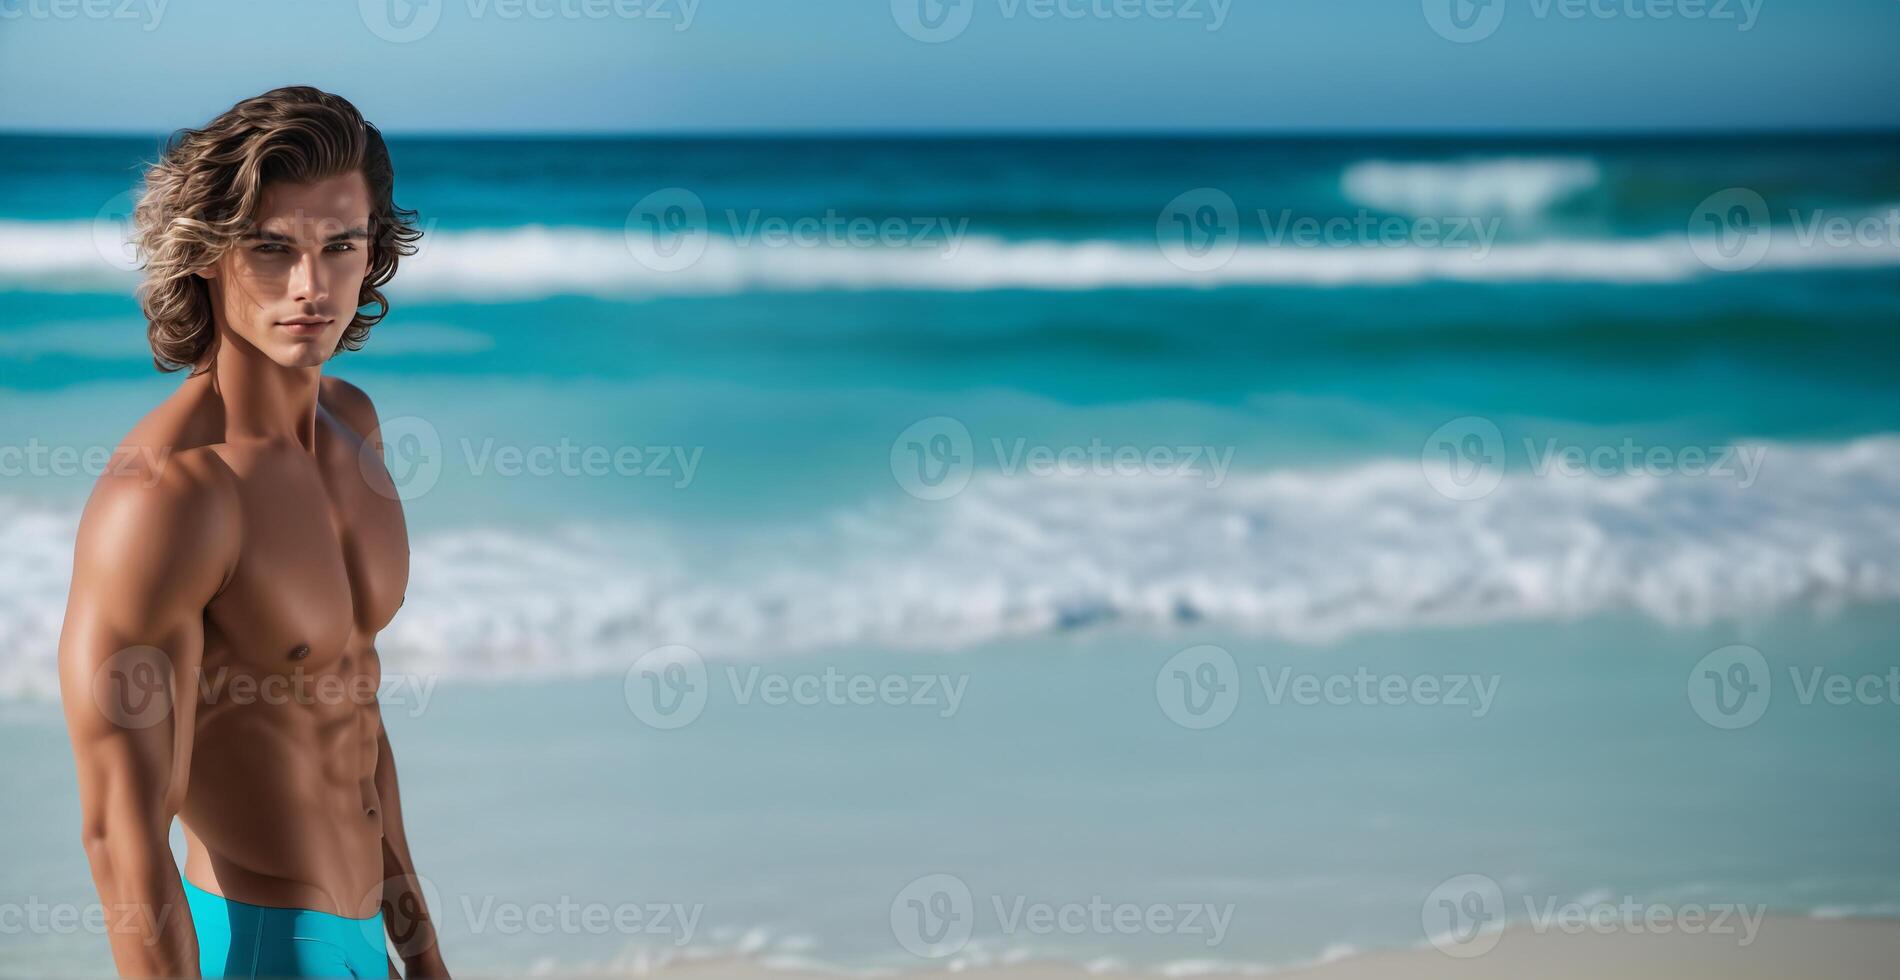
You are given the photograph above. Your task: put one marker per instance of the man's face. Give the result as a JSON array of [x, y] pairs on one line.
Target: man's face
[[289, 286]]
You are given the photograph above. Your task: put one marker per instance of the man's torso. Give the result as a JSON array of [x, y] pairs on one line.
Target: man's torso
[[281, 807]]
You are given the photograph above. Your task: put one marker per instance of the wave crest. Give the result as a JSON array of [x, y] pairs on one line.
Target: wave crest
[[1308, 555], [531, 262], [1517, 187]]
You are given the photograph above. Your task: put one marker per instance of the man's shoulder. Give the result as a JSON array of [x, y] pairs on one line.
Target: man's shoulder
[[161, 520], [348, 403], [171, 459], [155, 482]]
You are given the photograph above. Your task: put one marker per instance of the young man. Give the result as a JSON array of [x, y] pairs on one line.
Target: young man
[[218, 661]]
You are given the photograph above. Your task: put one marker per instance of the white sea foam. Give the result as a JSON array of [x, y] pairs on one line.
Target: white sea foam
[[1509, 186], [1312, 555], [530, 262], [1879, 910]]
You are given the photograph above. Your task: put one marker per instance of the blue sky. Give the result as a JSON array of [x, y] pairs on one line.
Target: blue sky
[[1018, 65]]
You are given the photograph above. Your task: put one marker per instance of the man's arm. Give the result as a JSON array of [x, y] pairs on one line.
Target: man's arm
[[154, 548], [407, 915]]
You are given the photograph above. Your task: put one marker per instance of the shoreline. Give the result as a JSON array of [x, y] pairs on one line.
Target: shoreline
[[1843, 948]]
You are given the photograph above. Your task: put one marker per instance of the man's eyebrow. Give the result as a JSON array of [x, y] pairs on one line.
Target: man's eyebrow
[[348, 234]]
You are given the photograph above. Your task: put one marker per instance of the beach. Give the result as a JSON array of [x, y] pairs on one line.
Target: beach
[[786, 598], [1786, 947], [800, 832]]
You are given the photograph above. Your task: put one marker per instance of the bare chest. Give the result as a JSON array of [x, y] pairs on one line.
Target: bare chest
[[324, 560]]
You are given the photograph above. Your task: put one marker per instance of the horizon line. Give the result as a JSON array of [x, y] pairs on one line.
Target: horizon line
[[975, 133]]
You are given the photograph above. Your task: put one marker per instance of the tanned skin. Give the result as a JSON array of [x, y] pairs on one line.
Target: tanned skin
[[218, 661]]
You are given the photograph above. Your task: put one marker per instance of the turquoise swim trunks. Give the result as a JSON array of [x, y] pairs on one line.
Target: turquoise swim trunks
[[255, 941]]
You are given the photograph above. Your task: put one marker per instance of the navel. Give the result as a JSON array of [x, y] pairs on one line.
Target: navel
[[301, 651]]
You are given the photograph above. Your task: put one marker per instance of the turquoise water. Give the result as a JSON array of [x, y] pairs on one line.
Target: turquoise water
[[791, 379]]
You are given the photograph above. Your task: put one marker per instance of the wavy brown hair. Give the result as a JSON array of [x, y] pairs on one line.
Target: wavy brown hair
[[203, 192]]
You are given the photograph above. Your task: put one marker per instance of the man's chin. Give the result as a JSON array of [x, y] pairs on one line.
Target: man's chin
[[301, 355]]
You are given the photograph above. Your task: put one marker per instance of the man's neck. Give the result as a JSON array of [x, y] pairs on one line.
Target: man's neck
[[263, 399]]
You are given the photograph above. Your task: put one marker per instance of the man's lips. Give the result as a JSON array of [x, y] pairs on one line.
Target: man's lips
[[305, 325]]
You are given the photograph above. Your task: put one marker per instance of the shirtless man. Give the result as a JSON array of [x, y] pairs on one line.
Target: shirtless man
[[218, 660]]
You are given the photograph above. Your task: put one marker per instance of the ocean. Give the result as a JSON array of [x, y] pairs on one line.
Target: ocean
[[1281, 528]]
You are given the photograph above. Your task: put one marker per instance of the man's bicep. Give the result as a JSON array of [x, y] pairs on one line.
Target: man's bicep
[[148, 560], [129, 693]]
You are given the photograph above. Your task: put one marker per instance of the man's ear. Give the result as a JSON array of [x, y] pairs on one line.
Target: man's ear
[[207, 273]]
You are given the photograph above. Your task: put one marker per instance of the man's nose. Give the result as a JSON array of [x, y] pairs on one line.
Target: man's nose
[[307, 281]]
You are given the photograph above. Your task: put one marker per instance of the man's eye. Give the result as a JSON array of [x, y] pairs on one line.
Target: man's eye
[[342, 247], [268, 248]]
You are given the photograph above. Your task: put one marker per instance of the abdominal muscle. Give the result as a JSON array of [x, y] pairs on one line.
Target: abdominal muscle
[[281, 807]]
